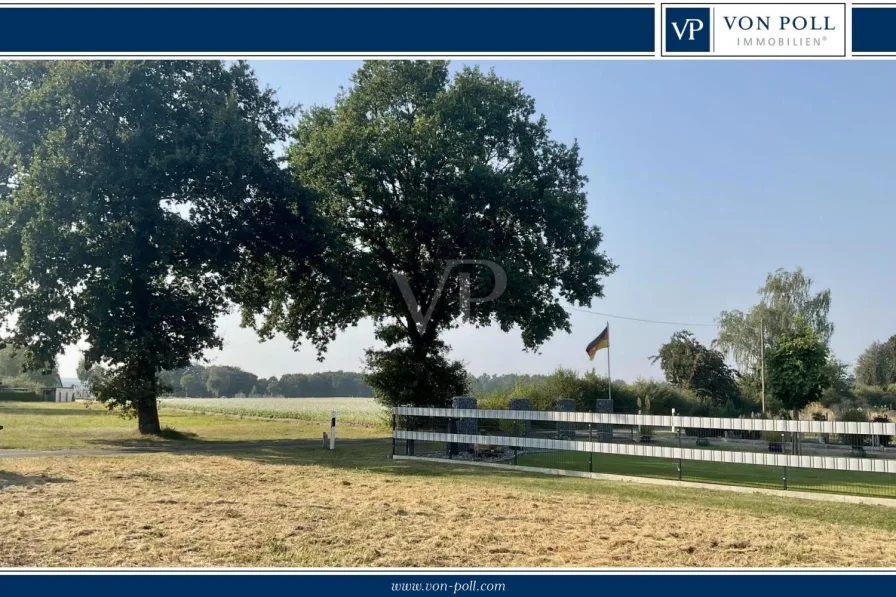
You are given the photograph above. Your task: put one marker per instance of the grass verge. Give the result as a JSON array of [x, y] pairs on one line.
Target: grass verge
[[749, 475]]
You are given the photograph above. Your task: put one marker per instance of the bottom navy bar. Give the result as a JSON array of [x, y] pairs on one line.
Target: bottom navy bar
[[374, 585]]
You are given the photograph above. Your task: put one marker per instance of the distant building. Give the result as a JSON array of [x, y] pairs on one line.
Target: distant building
[[59, 394]]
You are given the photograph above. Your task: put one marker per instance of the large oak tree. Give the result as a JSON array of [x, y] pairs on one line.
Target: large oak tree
[[413, 167], [123, 188]]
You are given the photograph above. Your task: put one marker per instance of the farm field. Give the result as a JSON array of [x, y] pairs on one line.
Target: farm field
[[356, 507], [350, 411], [51, 426]]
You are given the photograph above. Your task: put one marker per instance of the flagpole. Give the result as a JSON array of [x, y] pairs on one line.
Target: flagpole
[[609, 377]]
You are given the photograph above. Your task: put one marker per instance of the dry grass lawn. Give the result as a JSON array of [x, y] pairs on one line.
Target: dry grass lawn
[[356, 507]]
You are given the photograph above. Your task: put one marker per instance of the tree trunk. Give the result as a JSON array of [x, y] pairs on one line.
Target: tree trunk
[[148, 417]]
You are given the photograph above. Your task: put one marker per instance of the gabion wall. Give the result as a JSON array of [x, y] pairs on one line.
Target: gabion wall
[[603, 433], [566, 430], [465, 426], [522, 428]]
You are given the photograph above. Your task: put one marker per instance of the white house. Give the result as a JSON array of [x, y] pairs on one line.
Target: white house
[[63, 395]]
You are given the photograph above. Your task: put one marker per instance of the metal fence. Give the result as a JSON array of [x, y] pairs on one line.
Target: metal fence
[[829, 456]]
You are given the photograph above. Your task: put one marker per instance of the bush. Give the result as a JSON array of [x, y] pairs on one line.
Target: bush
[[772, 437], [882, 418], [20, 396], [875, 397], [587, 389], [854, 415]]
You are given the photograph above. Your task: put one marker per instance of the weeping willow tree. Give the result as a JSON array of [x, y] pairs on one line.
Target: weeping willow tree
[[785, 298]]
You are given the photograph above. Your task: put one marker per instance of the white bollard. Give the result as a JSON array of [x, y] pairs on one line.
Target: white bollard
[[333, 430]]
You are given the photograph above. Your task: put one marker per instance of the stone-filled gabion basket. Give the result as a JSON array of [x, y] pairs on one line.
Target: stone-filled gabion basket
[[566, 430], [521, 428], [601, 432], [465, 426]]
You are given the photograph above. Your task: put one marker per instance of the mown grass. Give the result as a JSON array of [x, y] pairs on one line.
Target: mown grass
[[847, 482], [52, 426], [356, 507]]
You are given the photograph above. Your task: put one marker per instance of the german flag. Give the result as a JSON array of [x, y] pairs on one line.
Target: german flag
[[602, 341]]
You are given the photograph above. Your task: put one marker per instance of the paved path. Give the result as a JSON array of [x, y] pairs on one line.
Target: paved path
[[181, 448]]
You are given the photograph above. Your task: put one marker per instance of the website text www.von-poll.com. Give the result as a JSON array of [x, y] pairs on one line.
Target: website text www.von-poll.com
[[471, 586]]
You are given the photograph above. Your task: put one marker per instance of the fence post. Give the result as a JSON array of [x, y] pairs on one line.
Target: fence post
[[333, 430], [679, 453], [783, 439], [393, 434], [591, 451], [450, 444]]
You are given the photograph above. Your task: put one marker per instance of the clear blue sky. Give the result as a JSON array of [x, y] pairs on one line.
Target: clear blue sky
[[704, 177]]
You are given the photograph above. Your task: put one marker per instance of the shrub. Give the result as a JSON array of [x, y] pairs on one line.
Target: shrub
[[817, 412], [855, 415], [772, 437], [875, 397], [19, 396], [587, 389], [882, 418]]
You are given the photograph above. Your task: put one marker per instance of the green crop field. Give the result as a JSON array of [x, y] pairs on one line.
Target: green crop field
[[349, 411]]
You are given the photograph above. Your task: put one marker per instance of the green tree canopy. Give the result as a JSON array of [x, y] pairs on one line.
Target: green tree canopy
[[187, 382], [785, 297], [690, 365], [13, 371], [124, 186], [798, 368], [218, 381], [90, 377], [413, 167], [877, 365]]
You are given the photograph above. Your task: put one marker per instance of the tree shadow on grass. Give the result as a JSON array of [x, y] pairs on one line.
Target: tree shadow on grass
[[188, 442], [371, 457], [9, 479]]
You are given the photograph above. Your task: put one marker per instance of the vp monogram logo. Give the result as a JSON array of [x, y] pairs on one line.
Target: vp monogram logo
[[687, 29], [690, 27], [421, 319]]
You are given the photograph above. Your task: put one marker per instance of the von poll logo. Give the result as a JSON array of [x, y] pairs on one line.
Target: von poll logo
[[754, 30]]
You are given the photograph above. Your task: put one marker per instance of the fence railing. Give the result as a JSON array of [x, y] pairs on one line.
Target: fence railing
[[839, 456], [746, 424]]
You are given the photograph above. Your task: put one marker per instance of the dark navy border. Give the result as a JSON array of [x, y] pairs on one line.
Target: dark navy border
[[278, 30], [875, 28]]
